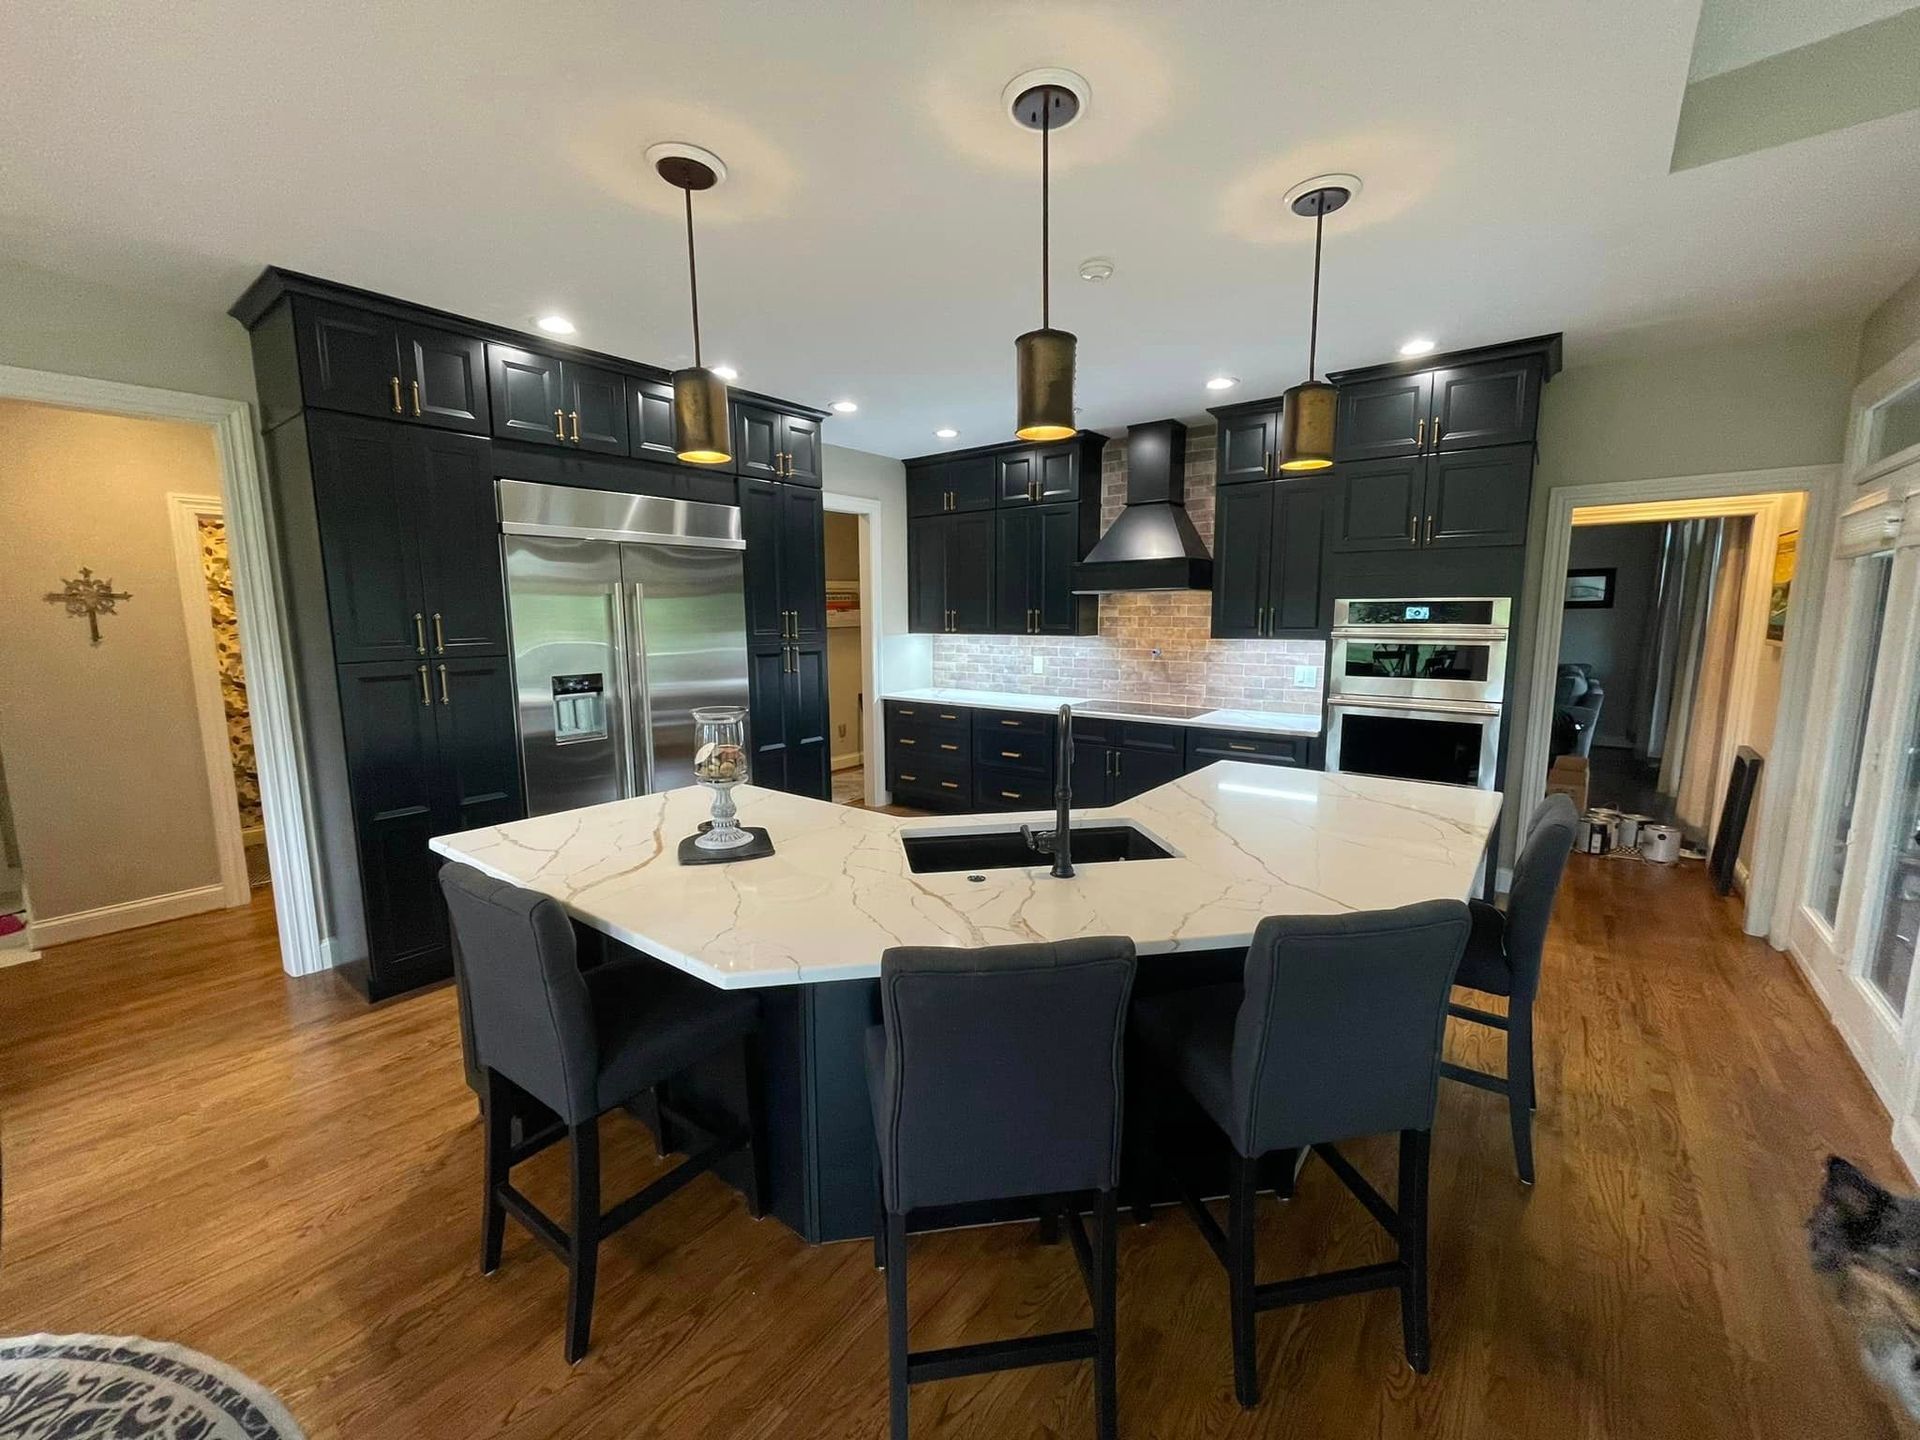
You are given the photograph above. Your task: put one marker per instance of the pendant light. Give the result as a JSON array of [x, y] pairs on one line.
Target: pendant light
[[1307, 410], [700, 426], [1044, 409]]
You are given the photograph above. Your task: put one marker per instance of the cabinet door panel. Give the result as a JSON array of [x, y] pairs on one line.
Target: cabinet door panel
[[650, 434], [1300, 609], [803, 566], [348, 360], [596, 404], [1493, 403], [1091, 776], [926, 575], [756, 441], [387, 721], [1137, 771], [800, 438], [525, 391], [1379, 505], [363, 483], [970, 571], [1016, 535], [1059, 472], [971, 482], [445, 378], [809, 755], [462, 588], [479, 767], [1243, 525], [1246, 445], [927, 490], [761, 511], [1056, 552], [1014, 474], [767, 695], [1375, 419], [1479, 497]]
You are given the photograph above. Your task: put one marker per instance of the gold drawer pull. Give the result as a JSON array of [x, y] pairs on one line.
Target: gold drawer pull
[[904, 740], [1014, 724], [949, 747], [1232, 746], [944, 715], [416, 397], [1011, 755], [903, 711], [905, 776], [396, 396], [949, 784], [1009, 794]]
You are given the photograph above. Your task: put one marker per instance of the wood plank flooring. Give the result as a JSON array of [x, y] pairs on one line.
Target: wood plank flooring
[[199, 1149]]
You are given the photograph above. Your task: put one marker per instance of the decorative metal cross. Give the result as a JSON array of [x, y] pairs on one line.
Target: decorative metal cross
[[89, 597]]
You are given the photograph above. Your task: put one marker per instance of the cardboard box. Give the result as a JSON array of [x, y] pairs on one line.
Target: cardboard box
[[1569, 777]]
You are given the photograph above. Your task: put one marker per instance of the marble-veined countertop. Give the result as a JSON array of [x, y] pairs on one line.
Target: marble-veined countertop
[[1249, 841]]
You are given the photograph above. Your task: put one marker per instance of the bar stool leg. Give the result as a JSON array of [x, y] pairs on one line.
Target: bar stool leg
[[896, 1229], [1240, 1196], [497, 1112], [583, 1251], [1520, 1086], [1415, 1156]]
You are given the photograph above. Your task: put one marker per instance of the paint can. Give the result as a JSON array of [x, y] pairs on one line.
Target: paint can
[[1596, 832], [1660, 843], [1627, 830]]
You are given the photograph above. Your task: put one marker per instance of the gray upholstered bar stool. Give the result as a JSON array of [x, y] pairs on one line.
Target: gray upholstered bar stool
[[580, 1044], [1334, 1034], [1503, 958], [996, 1078]]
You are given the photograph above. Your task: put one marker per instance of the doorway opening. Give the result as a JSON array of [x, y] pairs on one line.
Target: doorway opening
[[846, 647], [131, 781]]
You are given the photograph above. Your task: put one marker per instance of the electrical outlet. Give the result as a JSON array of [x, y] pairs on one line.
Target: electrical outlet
[[843, 732], [1039, 664], [1306, 676]]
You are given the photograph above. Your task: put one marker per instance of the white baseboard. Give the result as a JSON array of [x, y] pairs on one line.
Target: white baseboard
[[127, 915], [846, 762]]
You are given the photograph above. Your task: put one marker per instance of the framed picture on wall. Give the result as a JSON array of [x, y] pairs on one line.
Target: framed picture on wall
[[1590, 589], [1786, 555]]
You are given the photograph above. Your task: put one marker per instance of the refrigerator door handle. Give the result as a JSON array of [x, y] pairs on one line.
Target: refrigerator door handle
[[623, 660], [639, 689]]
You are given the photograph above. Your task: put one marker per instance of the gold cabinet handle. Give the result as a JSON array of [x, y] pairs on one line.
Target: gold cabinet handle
[[444, 698], [1266, 462], [949, 784], [439, 634], [416, 397], [944, 714], [396, 396], [907, 777], [1011, 755], [1429, 529], [945, 746], [903, 710], [419, 634], [1420, 434], [1013, 724], [1250, 749], [426, 695], [905, 740], [1009, 794], [575, 417], [559, 424]]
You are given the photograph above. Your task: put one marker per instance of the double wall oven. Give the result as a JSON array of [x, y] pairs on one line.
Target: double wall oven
[[1416, 688]]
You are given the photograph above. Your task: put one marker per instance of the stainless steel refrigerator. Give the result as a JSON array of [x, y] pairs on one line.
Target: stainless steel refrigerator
[[626, 612]]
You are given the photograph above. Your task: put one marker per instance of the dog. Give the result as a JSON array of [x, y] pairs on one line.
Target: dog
[[1867, 1240]]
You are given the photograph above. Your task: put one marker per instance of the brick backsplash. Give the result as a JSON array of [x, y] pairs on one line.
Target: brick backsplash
[[1190, 667]]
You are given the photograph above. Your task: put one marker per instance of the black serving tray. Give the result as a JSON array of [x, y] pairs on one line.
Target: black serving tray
[[758, 848]]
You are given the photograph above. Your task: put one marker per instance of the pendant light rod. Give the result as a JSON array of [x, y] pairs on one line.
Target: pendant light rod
[[1313, 324], [1046, 208], [693, 279]]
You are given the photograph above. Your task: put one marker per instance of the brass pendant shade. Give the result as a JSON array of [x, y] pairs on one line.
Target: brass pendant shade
[[700, 417], [1045, 410], [1307, 410], [1306, 426], [701, 433]]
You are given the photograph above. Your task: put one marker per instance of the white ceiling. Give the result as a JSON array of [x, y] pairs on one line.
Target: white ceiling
[[878, 237], [1733, 33]]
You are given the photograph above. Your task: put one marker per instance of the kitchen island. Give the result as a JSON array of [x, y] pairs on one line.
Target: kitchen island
[[808, 924]]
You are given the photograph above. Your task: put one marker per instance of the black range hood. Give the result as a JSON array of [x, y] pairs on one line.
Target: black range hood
[[1153, 545]]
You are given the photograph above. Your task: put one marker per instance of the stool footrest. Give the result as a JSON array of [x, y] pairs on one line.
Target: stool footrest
[[1479, 1079], [1305, 1289], [992, 1355]]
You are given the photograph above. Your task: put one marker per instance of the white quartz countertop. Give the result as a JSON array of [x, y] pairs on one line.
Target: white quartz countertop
[[1272, 722], [1249, 841]]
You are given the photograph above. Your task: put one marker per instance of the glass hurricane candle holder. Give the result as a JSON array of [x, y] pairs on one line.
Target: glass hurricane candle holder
[[720, 763]]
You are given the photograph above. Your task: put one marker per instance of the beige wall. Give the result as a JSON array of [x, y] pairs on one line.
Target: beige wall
[[71, 327], [1739, 405], [843, 643], [905, 659], [102, 745], [1891, 328]]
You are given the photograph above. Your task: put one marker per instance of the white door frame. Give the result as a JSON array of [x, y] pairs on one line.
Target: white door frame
[[872, 723], [183, 520], [264, 635], [1720, 494]]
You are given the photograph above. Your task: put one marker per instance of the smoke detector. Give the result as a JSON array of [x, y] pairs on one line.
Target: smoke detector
[[1096, 269]]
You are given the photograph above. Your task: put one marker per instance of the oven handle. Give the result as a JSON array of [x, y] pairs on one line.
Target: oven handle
[[1438, 634], [1399, 706]]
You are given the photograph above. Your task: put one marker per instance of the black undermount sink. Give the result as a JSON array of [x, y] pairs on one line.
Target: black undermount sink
[[938, 851]]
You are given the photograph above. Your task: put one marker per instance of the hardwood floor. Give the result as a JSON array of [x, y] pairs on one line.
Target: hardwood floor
[[201, 1150]]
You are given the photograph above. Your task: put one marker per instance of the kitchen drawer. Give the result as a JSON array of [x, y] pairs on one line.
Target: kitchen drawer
[[934, 786], [1206, 746], [914, 716], [1013, 750], [1012, 722], [1011, 790], [929, 747], [1130, 734]]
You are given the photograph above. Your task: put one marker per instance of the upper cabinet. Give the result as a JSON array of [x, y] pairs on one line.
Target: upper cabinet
[[366, 364], [1267, 563], [1381, 419], [1474, 400], [1040, 474], [774, 444], [943, 487], [545, 400], [1246, 443]]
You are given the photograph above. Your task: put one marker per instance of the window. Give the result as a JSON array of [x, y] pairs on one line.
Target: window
[[1894, 425], [1890, 965], [1866, 614]]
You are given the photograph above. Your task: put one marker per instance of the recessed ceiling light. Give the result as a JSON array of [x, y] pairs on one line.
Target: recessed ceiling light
[[1421, 346], [726, 373], [946, 432], [845, 407], [555, 324], [1223, 382]]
